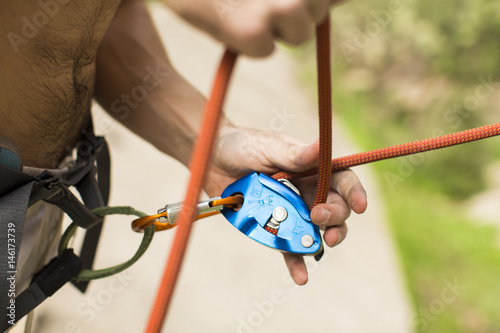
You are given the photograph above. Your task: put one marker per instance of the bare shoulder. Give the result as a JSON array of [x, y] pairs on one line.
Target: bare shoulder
[[48, 71]]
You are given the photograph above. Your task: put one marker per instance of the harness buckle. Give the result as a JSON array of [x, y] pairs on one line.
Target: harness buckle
[[273, 214]]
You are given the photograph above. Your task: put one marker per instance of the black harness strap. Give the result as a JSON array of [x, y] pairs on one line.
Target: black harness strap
[[45, 283], [100, 189], [53, 190], [18, 191]]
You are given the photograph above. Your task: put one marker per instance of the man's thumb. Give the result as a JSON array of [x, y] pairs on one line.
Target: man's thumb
[[304, 157]]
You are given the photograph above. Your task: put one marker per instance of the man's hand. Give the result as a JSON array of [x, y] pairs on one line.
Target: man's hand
[[241, 151], [120, 69], [252, 26]]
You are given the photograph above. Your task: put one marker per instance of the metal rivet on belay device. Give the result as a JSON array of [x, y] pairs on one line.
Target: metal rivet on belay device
[[279, 214], [307, 241]]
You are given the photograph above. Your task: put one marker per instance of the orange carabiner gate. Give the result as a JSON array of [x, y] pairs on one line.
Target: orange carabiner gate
[[167, 217]]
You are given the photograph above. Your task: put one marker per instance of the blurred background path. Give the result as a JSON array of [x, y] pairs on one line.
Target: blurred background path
[[484, 206], [230, 283]]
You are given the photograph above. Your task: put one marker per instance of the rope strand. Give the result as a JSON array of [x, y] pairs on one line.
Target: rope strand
[[325, 112], [199, 165], [404, 149]]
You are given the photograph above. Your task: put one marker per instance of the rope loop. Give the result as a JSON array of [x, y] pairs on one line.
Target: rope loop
[[89, 274]]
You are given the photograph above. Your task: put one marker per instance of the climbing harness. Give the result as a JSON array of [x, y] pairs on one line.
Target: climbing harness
[[19, 190], [267, 209]]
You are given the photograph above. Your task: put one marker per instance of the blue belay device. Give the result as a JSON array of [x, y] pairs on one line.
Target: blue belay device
[[274, 215]]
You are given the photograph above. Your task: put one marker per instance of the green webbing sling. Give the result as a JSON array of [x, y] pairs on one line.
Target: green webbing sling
[[67, 266], [88, 274], [18, 191]]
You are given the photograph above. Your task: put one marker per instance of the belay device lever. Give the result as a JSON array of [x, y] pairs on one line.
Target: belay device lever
[[273, 214]]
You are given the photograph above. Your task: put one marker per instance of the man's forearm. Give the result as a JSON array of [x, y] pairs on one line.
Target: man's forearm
[[138, 86]]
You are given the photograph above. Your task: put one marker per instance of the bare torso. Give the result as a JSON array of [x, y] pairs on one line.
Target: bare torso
[[47, 72]]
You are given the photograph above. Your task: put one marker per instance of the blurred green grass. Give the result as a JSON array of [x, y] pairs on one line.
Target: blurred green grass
[[413, 78], [438, 245], [436, 240]]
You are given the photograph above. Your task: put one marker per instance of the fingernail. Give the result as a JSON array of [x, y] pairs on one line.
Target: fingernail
[[323, 216], [339, 238]]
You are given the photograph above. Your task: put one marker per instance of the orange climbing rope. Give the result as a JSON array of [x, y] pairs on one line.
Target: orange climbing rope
[[325, 111], [404, 149], [198, 168], [200, 160], [202, 150]]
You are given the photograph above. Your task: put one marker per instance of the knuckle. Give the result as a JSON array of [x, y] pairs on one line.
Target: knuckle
[[291, 154], [257, 41], [254, 40], [345, 180], [254, 33], [341, 213], [344, 214]]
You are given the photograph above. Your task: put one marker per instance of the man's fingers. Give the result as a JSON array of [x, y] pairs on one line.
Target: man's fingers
[[303, 158], [334, 212], [291, 21], [248, 36], [347, 184], [357, 199], [333, 236], [297, 268], [292, 156], [253, 27]]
